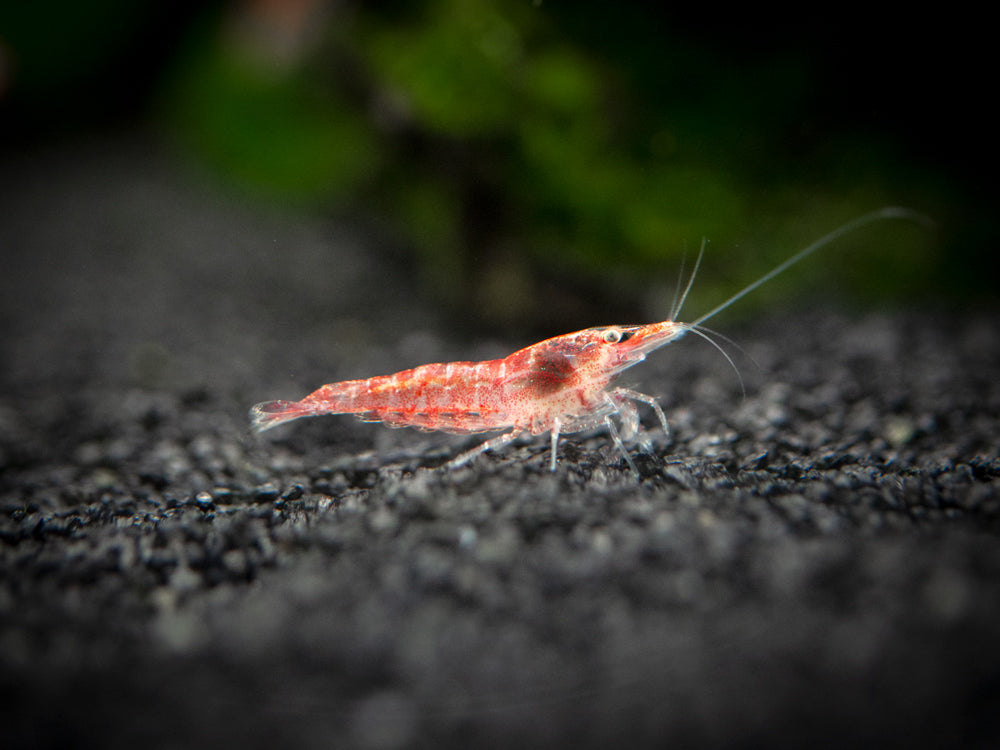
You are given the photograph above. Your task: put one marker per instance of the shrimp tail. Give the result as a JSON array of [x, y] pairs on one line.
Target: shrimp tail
[[268, 414]]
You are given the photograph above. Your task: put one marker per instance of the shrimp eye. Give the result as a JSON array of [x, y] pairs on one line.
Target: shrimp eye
[[611, 336]]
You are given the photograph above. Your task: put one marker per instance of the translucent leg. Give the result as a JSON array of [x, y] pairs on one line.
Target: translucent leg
[[628, 393], [556, 425], [490, 445], [629, 417], [621, 446]]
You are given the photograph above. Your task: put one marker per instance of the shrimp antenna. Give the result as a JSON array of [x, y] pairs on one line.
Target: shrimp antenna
[[672, 315], [676, 310], [702, 332], [889, 212]]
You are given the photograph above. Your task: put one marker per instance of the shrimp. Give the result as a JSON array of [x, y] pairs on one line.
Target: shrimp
[[562, 385]]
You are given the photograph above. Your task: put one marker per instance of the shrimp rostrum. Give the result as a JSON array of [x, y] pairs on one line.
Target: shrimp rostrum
[[561, 385]]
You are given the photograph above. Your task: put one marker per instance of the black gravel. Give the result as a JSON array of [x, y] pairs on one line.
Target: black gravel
[[816, 563]]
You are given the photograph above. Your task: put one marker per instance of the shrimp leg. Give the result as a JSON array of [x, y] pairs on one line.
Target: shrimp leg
[[489, 445], [556, 426], [628, 393], [621, 446]]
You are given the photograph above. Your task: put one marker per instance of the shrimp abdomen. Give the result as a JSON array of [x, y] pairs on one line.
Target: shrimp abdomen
[[457, 397]]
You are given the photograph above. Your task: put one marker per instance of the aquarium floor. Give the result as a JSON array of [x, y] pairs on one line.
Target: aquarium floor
[[814, 564]]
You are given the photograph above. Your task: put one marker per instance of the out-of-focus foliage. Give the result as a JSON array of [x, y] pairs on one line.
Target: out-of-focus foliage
[[522, 148], [508, 148], [267, 126]]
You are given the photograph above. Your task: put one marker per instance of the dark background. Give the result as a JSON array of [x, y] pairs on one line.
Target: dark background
[[541, 162], [205, 206]]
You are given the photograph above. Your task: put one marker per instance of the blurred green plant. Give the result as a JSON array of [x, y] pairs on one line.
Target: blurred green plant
[[268, 125], [510, 149]]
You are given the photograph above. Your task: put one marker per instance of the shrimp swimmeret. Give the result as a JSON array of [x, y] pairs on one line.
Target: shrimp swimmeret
[[560, 385]]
